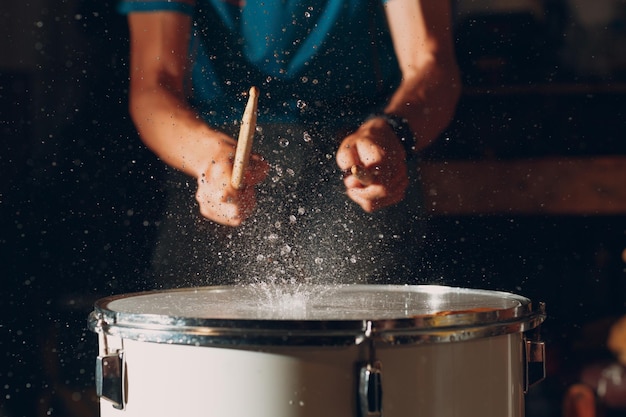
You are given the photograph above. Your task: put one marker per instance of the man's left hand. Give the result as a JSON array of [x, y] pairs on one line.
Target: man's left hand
[[375, 148]]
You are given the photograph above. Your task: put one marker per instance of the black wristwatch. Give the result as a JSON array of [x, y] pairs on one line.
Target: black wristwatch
[[402, 130]]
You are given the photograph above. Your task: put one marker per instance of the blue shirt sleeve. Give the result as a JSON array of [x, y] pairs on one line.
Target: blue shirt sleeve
[[131, 6]]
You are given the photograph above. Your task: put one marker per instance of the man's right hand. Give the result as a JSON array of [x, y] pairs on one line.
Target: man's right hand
[[217, 199]]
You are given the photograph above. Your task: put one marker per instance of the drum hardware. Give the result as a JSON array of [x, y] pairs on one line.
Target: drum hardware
[[110, 366], [210, 331], [370, 389], [535, 363], [110, 375], [535, 356]]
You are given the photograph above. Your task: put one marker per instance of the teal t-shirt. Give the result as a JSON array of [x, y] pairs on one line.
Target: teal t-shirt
[[328, 60]]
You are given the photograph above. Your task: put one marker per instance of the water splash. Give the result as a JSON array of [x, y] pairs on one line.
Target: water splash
[[286, 297], [283, 142]]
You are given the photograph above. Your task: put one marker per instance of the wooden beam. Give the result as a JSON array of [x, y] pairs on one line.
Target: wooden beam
[[571, 186]]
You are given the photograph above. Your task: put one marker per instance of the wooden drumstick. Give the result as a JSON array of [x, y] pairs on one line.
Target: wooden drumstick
[[244, 142], [363, 175]]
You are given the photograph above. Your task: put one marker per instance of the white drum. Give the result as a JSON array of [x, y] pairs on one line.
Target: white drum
[[338, 351]]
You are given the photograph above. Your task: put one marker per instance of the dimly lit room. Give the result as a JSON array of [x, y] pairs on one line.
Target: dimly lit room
[[522, 202]]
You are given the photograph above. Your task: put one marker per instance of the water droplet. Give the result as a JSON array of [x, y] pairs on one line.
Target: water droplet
[[319, 261], [300, 104], [292, 219], [283, 142], [301, 210], [306, 136]]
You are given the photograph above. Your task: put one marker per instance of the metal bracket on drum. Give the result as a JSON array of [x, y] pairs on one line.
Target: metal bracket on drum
[[535, 356], [370, 390], [110, 377], [110, 364], [535, 371]]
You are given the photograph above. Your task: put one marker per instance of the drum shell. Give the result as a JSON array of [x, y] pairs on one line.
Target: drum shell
[[215, 351], [466, 378]]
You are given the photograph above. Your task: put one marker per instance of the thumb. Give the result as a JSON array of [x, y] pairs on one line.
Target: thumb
[[347, 155]]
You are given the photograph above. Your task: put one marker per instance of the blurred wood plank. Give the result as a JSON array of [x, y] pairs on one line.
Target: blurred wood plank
[[570, 186]]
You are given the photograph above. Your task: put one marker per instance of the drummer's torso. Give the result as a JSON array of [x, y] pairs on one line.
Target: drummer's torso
[[305, 57]]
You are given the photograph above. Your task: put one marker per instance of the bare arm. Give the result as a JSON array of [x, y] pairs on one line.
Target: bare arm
[[170, 127], [426, 98], [431, 84], [166, 123]]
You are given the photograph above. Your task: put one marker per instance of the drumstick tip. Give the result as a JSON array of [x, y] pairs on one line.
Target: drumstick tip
[[253, 92], [363, 175]]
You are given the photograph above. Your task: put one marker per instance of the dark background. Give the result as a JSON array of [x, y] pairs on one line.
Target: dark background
[[80, 196]]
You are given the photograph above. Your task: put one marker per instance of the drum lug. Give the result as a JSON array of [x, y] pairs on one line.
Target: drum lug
[[370, 390], [535, 358], [110, 376]]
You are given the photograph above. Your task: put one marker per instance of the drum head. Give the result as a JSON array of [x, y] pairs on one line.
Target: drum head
[[313, 315]]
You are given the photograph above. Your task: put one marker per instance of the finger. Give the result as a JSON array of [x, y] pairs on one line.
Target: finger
[[357, 178], [347, 156], [369, 154], [369, 204], [366, 197], [257, 171], [222, 213], [392, 178], [377, 196], [225, 206]]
